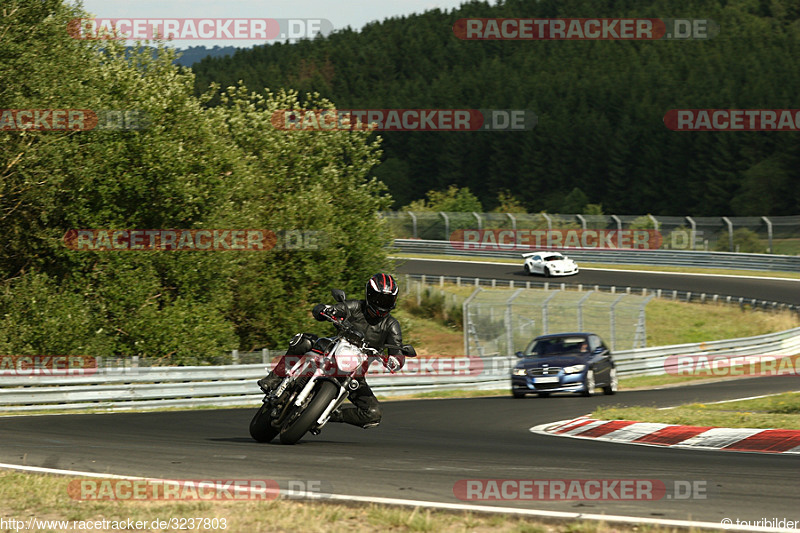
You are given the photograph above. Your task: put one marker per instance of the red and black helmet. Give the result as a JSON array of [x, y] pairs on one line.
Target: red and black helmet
[[381, 294]]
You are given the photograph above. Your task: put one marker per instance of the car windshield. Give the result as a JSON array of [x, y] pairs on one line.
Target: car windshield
[[554, 346], [553, 258]]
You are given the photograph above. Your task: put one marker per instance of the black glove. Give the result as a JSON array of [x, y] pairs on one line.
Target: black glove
[[318, 310]]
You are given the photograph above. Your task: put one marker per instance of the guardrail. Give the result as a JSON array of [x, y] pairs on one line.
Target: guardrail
[[134, 388], [740, 261], [663, 359]]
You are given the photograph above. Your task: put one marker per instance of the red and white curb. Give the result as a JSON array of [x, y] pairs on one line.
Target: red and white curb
[[675, 436]]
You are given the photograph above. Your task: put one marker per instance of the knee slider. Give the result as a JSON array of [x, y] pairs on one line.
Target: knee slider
[[374, 414]]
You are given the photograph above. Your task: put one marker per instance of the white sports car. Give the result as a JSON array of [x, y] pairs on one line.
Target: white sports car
[[549, 264]]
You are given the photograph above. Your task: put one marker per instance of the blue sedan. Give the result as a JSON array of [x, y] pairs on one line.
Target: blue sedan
[[564, 362]]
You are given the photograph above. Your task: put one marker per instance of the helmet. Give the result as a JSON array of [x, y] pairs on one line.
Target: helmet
[[381, 294]]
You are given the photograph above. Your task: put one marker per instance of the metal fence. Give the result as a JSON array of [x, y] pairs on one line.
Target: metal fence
[[777, 234], [502, 322]]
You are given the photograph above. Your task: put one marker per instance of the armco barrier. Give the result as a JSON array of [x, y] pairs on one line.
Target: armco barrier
[[133, 388], [778, 263]]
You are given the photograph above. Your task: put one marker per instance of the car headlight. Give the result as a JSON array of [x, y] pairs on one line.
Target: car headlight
[[519, 372], [574, 369]]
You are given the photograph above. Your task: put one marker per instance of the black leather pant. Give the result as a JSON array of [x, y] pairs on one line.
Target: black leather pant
[[365, 411]]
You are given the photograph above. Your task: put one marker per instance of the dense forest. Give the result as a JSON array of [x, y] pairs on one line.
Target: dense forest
[[600, 105]]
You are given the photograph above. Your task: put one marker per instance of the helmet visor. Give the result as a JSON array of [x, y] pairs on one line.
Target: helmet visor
[[382, 301]]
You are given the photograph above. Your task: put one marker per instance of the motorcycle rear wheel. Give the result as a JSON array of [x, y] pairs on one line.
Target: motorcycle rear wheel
[[297, 427]]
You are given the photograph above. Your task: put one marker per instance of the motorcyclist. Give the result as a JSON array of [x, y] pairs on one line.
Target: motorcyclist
[[371, 316]]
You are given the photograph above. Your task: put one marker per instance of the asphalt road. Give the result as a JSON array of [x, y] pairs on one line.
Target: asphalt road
[[778, 290], [423, 448]]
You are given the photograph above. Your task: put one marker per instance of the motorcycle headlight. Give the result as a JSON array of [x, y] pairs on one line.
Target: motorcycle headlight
[[519, 372], [348, 358], [574, 369]]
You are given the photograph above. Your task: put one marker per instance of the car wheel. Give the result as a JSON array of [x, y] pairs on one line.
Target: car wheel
[[589, 383], [547, 273], [543, 394], [518, 394], [527, 269], [613, 384]]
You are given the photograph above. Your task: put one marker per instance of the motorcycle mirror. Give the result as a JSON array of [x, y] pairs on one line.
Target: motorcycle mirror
[[409, 351], [338, 295]]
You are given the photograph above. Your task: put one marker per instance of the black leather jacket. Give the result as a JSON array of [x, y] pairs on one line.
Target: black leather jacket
[[378, 331]]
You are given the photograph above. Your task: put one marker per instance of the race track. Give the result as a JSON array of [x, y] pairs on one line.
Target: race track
[[424, 447]]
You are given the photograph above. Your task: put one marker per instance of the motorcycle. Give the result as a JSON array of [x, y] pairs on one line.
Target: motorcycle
[[317, 384]]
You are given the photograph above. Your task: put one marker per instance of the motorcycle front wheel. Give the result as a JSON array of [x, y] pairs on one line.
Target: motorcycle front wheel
[[260, 427], [293, 431]]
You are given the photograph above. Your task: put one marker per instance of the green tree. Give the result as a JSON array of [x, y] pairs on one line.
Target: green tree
[[454, 199]]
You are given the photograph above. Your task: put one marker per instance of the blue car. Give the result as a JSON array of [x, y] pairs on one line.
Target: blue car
[[564, 362]]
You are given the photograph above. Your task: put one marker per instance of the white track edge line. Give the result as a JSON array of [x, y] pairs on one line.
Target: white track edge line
[[540, 513]]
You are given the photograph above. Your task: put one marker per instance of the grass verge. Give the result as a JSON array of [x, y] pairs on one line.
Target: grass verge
[[45, 497], [778, 411]]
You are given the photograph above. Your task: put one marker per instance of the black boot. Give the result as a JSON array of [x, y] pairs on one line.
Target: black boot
[[270, 382]]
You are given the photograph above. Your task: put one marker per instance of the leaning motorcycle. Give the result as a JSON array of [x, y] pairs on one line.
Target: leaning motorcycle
[[317, 384]]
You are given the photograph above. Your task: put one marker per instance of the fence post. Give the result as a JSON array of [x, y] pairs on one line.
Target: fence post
[[265, 356], [235, 357], [467, 323], [446, 225], [544, 311], [692, 232], [413, 223], [641, 326], [730, 232], [769, 233], [613, 319], [480, 222], [513, 221]]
